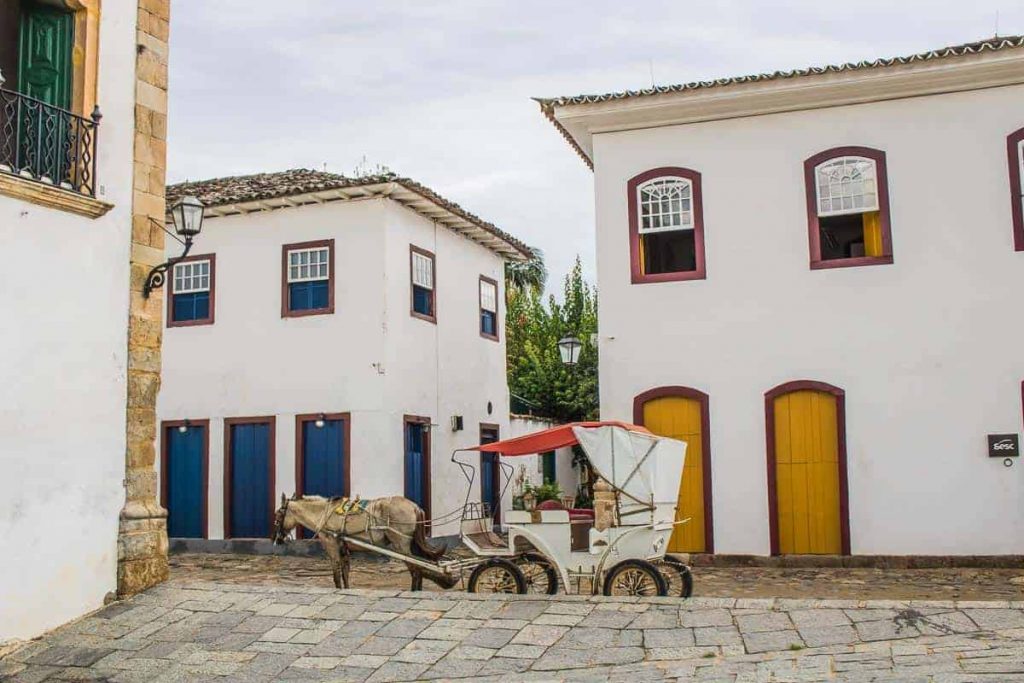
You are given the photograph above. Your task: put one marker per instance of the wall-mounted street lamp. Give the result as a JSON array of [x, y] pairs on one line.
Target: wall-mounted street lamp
[[183, 427], [187, 214], [321, 420], [569, 349]]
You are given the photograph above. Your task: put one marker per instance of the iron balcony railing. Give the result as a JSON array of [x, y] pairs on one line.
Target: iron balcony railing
[[48, 144]]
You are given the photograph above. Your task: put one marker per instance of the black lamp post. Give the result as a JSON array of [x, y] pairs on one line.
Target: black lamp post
[[187, 214], [569, 349]]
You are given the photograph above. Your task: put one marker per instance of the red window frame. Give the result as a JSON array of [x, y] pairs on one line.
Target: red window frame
[[1013, 141], [286, 312], [637, 274], [497, 308], [813, 227], [171, 322], [413, 249]]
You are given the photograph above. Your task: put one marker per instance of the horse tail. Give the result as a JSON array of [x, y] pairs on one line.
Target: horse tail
[[421, 543]]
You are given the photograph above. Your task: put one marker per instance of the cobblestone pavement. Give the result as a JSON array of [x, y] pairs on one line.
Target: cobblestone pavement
[[220, 631], [745, 582]]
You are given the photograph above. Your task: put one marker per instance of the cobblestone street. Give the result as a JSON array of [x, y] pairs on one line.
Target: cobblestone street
[[733, 582], [193, 630]]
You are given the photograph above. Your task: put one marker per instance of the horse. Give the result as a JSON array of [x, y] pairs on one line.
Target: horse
[[394, 522]]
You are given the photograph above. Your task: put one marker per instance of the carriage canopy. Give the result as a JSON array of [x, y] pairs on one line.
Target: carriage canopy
[[641, 465]]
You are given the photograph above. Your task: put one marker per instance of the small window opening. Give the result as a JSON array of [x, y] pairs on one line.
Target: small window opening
[[849, 220]]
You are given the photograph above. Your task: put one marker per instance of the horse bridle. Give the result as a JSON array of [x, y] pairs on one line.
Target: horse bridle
[[279, 536]]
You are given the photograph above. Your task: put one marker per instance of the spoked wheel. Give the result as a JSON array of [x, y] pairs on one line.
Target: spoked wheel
[[497, 576], [635, 577], [540, 576], [678, 578]]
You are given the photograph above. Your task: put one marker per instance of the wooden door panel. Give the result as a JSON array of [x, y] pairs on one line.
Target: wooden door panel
[[681, 418], [807, 473]]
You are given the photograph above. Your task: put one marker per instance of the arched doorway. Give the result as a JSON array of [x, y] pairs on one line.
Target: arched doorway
[[682, 413], [807, 489]]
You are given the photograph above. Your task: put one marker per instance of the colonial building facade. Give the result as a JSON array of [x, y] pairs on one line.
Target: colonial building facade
[[812, 278], [83, 103], [335, 336]]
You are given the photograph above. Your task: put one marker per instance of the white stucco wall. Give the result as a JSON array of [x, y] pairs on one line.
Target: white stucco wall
[[927, 349], [371, 358], [63, 361]]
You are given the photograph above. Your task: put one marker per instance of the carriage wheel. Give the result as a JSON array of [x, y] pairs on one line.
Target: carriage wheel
[[634, 577], [540, 576], [678, 578], [497, 576]]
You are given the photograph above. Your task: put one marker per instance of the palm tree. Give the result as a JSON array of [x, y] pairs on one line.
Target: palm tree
[[531, 274]]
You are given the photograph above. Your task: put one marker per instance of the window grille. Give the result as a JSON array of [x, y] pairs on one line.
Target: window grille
[[846, 185], [305, 265], [422, 270], [192, 276], [666, 204], [488, 296]]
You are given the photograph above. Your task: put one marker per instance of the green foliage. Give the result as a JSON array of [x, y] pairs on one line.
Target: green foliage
[[535, 369], [546, 491], [524, 276]]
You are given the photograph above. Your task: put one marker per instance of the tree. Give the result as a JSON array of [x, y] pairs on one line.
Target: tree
[[535, 369], [532, 274]]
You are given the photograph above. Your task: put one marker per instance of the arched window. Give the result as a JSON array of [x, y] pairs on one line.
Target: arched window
[[848, 208], [666, 226], [1015, 159]]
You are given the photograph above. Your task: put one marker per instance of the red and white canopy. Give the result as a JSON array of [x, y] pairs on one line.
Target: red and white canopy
[[561, 436], [645, 467]]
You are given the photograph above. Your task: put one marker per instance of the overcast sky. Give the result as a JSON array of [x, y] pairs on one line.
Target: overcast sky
[[439, 90]]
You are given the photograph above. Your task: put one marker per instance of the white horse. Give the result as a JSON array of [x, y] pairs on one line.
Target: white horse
[[393, 522]]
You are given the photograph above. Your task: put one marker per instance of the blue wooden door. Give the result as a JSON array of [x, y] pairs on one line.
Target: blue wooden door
[[250, 481], [185, 474], [490, 477], [323, 459], [416, 464]]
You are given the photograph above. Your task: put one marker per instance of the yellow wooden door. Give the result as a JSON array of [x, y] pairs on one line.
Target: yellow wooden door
[[807, 473], [680, 418]]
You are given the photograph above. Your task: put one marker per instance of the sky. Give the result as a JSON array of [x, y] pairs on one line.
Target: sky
[[440, 90]]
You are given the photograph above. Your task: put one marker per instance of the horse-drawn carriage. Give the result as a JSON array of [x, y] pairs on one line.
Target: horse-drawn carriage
[[619, 548]]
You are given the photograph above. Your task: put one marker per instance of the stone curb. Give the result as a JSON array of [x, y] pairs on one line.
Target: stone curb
[[859, 561]]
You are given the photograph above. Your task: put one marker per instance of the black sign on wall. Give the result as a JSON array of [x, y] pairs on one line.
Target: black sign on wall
[[1003, 445]]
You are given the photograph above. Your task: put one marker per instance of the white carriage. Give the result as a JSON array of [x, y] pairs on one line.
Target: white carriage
[[621, 552]]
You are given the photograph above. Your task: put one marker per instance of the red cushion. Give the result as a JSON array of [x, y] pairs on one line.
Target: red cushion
[[550, 505]]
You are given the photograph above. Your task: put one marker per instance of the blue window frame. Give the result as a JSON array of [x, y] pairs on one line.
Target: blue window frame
[[191, 292], [309, 278], [421, 271]]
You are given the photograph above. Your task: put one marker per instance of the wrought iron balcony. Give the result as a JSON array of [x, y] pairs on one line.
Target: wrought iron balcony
[[48, 144]]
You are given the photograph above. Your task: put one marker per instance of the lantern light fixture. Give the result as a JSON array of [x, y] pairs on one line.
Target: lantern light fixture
[[569, 349], [321, 420], [187, 214], [183, 427]]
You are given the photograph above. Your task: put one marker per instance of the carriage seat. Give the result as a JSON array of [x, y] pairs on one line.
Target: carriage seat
[[580, 519], [575, 514]]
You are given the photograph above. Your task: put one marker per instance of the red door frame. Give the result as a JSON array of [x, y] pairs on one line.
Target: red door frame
[[496, 472], [769, 421], [705, 438], [425, 421]]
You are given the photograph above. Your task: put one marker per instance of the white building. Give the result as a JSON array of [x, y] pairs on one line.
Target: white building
[[812, 277], [78, 365], [336, 336]]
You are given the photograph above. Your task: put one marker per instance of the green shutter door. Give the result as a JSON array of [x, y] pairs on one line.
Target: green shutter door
[[45, 73], [44, 55]]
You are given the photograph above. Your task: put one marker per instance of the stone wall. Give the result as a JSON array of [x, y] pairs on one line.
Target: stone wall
[[142, 538]]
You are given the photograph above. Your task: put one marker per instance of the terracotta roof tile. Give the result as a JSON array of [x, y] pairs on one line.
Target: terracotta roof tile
[[264, 186], [988, 45]]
